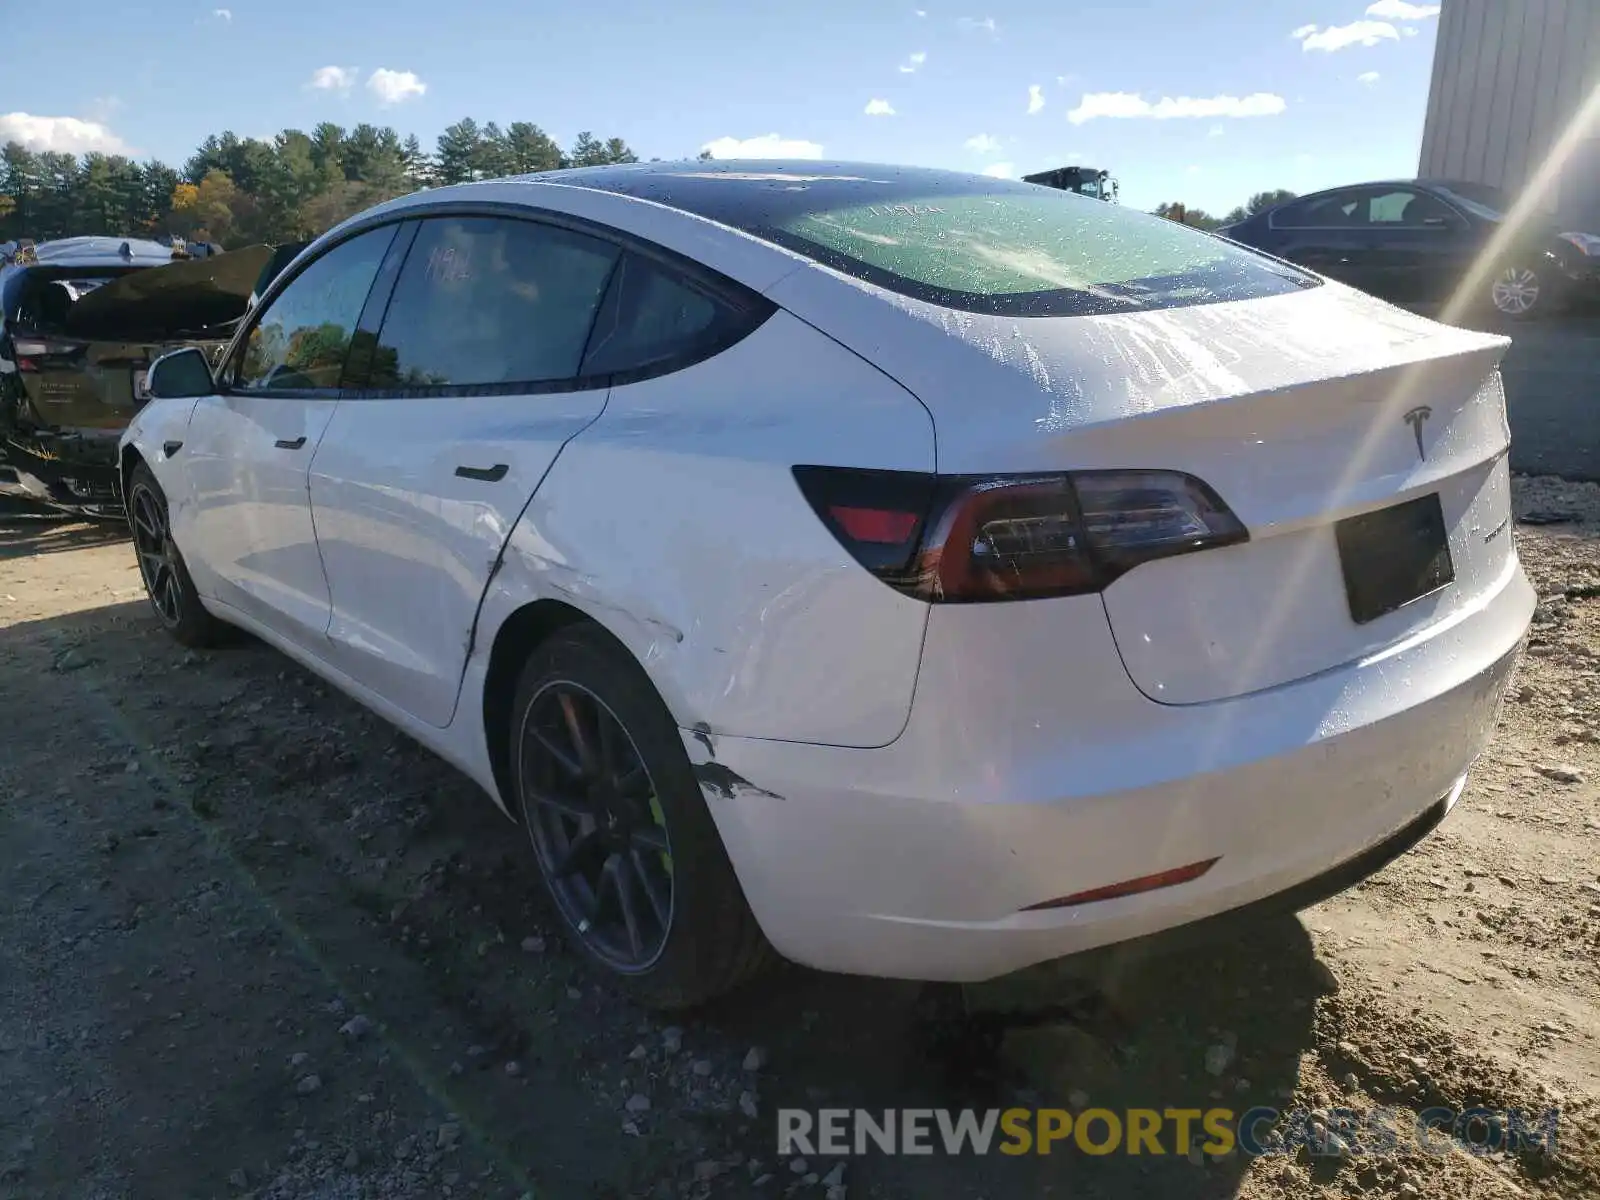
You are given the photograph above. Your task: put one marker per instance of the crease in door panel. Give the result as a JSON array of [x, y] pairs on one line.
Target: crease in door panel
[[499, 558], [327, 629]]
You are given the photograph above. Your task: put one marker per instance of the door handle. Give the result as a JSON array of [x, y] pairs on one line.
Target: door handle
[[294, 445], [488, 474]]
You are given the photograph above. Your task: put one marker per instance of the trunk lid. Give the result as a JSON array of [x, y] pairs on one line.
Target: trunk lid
[[82, 362], [1301, 411], [197, 297]]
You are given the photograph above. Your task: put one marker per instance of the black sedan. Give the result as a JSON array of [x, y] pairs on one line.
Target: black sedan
[[1415, 242]]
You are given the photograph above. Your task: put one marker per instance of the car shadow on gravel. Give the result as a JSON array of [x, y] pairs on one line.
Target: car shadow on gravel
[[26, 534], [1218, 1025], [396, 875]]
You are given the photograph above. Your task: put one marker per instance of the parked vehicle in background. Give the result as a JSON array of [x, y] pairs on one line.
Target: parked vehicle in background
[[617, 488], [1415, 241], [81, 320], [1093, 182]]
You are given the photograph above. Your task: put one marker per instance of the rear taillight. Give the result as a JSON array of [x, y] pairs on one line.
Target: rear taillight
[[959, 539], [28, 349]]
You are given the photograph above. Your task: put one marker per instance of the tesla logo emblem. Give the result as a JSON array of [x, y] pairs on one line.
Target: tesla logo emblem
[[1415, 418]]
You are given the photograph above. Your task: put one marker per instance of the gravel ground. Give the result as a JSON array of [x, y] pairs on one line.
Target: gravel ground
[[258, 944]]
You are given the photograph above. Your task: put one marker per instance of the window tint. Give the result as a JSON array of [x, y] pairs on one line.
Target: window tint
[[1406, 207], [651, 315], [301, 339], [967, 242], [1040, 253], [483, 301], [1341, 208]]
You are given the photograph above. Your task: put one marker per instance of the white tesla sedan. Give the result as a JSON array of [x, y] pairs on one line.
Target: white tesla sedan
[[914, 573]]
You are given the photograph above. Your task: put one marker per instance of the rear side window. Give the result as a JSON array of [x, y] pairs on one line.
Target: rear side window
[[489, 302], [1325, 212], [1038, 252], [654, 318]]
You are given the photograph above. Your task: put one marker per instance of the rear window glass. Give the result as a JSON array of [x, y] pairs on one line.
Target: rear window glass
[[40, 298], [980, 244]]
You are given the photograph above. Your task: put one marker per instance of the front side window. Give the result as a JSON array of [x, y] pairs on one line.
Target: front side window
[[491, 302], [301, 340]]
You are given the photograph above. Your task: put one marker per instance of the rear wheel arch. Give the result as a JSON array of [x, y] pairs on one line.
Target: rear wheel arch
[[517, 638]]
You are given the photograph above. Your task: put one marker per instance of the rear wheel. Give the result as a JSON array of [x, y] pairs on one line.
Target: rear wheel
[[626, 846], [1516, 292], [166, 579]]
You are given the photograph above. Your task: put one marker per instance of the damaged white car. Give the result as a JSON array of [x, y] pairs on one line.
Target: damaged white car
[[909, 573]]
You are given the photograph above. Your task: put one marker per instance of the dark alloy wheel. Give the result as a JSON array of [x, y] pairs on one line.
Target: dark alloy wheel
[[629, 853], [597, 826], [152, 542], [166, 579]]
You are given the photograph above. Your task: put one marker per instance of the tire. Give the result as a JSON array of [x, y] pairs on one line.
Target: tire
[[1517, 293], [709, 942], [167, 585]]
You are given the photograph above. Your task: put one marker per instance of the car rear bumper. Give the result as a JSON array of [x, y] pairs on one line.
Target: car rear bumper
[[84, 477], [918, 860]]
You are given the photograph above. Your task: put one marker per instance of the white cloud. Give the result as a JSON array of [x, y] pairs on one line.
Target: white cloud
[[972, 25], [982, 144], [1401, 10], [1214, 131], [1304, 31], [333, 79], [225, 15], [1132, 104], [879, 108], [1409, 30], [391, 87], [1192, 169], [1001, 170], [101, 109], [922, 12], [1035, 98], [912, 63], [66, 135], [1357, 33], [1367, 77], [768, 145]]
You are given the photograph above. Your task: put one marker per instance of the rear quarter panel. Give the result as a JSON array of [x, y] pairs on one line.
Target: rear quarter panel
[[675, 522]]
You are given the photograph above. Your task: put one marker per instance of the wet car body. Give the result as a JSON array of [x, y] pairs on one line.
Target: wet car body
[[81, 320], [927, 574]]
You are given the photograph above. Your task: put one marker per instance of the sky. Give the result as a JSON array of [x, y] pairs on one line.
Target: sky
[[1203, 104]]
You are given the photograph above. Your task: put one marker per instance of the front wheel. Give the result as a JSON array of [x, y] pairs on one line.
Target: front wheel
[[1516, 292], [166, 579], [628, 850]]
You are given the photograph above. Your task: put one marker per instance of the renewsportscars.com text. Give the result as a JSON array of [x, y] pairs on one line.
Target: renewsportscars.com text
[[1214, 1132]]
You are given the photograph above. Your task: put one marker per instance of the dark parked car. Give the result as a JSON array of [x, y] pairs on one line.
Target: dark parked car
[[81, 320], [1416, 241]]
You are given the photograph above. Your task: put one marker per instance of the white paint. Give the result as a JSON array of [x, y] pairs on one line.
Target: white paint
[[939, 769]]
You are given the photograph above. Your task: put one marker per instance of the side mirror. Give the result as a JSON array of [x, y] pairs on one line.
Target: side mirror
[[182, 375]]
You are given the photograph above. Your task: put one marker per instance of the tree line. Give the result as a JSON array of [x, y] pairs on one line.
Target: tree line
[[1200, 219], [241, 191]]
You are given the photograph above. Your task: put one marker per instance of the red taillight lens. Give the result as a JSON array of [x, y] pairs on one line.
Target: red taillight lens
[[879, 526], [29, 349], [962, 539]]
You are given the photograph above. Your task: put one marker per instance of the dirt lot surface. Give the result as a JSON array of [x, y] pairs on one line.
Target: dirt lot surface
[[255, 943]]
